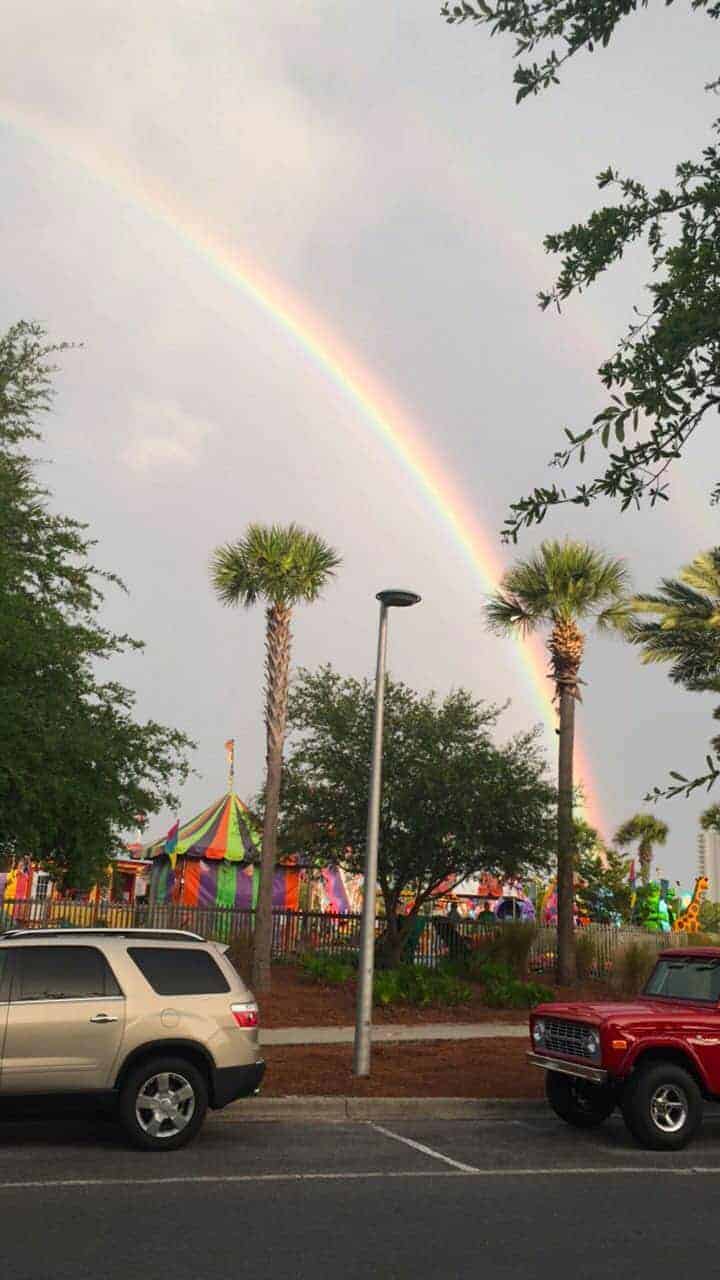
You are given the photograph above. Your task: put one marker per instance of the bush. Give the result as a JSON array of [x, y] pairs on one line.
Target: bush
[[510, 945], [328, 969], [503, 990], [240, 955], [632, 965], [585, 955], [421, 987]]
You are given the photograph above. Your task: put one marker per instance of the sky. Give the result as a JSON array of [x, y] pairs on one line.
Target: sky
[[368, 161]]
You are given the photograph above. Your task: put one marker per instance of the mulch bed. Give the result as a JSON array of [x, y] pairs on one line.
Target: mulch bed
[[493, 1068], [295, 1000]]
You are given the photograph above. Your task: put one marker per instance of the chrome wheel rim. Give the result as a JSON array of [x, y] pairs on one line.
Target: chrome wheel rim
[[165, 1105], [669, 1108]]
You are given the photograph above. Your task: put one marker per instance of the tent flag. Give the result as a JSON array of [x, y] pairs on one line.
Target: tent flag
[[171, 842], [230, 753]]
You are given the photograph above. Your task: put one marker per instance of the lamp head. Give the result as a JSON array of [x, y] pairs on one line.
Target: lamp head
[[395, 598]]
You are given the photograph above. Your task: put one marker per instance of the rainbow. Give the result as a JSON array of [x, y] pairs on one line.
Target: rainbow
[[380, 408]]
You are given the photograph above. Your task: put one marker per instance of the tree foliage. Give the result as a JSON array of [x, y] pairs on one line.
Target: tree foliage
[[453, 802], [663, 381], [645, 830], [679, 624], [76, 769]]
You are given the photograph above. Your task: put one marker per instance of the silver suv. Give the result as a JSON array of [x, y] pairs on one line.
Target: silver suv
[[157, 1022]]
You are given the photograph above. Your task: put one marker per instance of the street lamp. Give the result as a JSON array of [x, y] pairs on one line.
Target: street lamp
[[392, 599]]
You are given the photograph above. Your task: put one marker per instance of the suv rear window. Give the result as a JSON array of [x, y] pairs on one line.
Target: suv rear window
[[179, 971], [61, 973]]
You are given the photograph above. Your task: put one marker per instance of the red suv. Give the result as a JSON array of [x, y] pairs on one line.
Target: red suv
[[657, 1057]]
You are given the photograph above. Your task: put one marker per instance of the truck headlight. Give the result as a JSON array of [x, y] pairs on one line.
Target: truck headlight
[[592, 1044], [538, 1032]]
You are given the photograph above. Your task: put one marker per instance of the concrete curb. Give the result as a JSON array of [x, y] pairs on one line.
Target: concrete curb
[[333, 1109], [396, 1033]]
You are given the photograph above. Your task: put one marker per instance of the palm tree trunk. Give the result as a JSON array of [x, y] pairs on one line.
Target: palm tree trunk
[[566, 839], [645, 857], [277, 669]]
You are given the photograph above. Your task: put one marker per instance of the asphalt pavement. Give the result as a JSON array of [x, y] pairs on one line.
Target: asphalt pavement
[[494, 1197]]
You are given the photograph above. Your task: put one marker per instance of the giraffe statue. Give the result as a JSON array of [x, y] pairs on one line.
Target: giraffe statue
[[687, 921]]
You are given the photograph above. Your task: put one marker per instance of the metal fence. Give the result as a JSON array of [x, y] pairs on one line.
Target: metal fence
[[432, 939]]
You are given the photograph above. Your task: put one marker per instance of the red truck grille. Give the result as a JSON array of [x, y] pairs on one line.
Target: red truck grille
[[566, 1037]]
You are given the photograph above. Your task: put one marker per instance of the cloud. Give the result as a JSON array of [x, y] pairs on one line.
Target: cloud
[[162, 434]]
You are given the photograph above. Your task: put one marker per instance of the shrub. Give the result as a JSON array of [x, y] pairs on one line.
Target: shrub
[[585, 955], [413, 985], [323, 968], [509, 944], [632, 965], [503, 990], [240, 955], [513, 945]]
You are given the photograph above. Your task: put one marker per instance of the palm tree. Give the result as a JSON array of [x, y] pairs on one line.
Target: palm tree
[[648, 831], [686, 626], [559, 586], [710, 818], [281, 565]]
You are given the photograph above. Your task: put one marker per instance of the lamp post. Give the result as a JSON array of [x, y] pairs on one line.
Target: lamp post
[[363, 1019]]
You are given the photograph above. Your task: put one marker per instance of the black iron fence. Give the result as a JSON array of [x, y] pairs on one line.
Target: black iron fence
[[431, 938]]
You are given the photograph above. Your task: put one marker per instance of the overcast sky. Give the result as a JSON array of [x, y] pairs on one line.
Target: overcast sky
[[371, 159]]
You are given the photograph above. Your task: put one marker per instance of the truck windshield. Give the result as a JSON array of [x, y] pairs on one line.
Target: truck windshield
[[684, 979]]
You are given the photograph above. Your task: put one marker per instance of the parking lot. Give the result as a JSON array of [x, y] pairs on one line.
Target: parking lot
[[422, 1199]]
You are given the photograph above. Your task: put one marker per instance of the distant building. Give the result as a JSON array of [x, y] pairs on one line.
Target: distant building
[[709, 862]]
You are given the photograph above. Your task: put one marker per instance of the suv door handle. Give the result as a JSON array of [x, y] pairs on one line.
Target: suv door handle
[[103, 1017]]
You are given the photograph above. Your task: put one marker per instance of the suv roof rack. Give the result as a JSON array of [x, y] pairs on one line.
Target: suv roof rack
[[61, 931]]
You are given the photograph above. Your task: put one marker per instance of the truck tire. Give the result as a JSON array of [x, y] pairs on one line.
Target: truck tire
[[579, 1102], [662, 1106], [163, 1103]]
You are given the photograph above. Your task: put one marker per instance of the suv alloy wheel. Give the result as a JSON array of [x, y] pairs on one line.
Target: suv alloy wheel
[[163, 1103], [662, 1106]]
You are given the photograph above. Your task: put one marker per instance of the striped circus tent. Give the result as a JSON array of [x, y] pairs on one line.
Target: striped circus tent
[[212, 861]]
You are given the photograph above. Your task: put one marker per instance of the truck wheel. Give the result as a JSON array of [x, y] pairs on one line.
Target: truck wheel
[[662, 1106], [163, 1103], [579, 1102]]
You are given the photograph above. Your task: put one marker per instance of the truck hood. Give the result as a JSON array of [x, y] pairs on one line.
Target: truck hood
[[636, 1011]]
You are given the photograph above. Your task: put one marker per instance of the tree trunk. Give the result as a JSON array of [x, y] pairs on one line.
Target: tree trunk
[[277, 669], [566, 840], [645, 856]]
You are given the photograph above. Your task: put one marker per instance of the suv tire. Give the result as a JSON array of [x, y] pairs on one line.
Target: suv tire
[[579, 1102], [163, 1103], [662, 1106]]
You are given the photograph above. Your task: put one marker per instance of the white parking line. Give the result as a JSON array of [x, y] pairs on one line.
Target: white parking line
[[465, 1171], [426, 1151]]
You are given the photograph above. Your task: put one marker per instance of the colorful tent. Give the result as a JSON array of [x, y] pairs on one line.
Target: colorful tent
[[214, 862]]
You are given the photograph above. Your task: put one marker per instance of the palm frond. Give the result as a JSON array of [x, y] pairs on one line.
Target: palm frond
[[643, 827], [506, 614], [282, 564], [560, 581]]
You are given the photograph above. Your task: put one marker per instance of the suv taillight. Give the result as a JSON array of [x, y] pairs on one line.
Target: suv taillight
[[246, 1015]]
